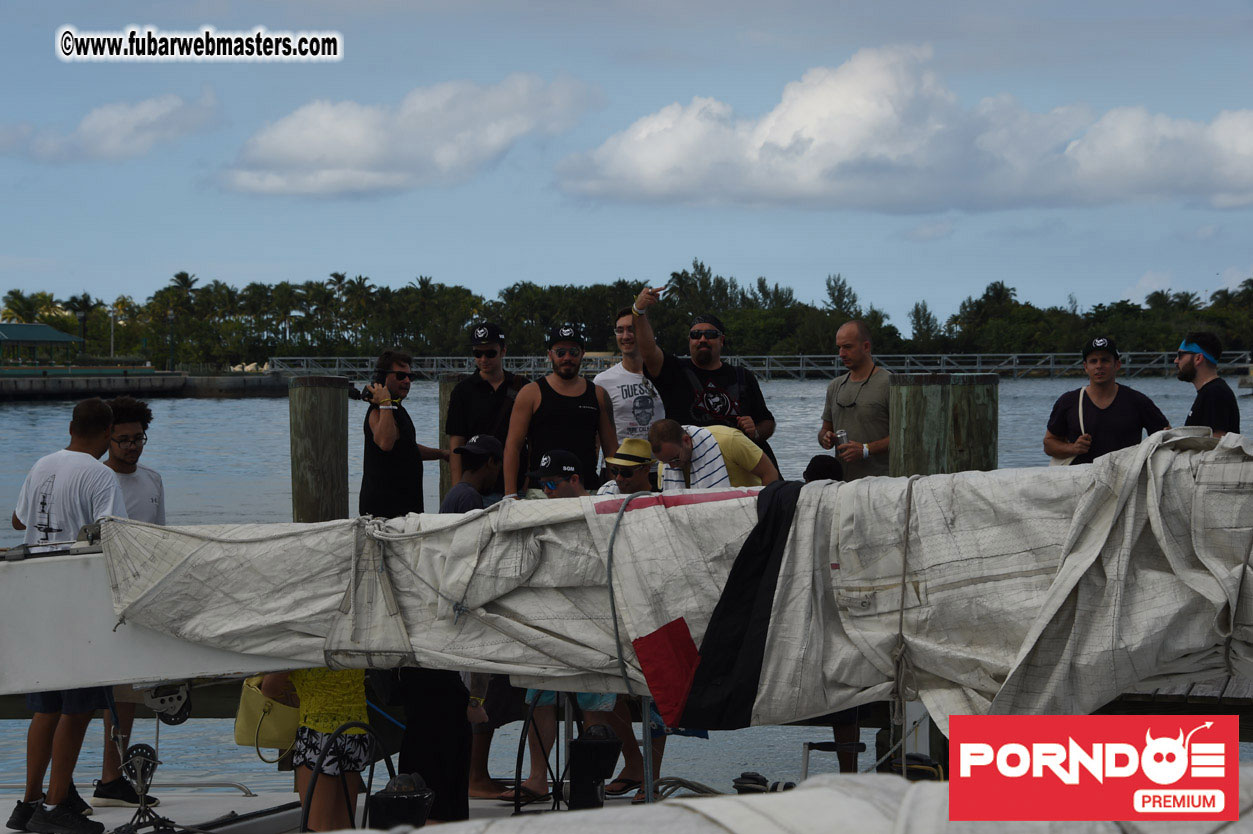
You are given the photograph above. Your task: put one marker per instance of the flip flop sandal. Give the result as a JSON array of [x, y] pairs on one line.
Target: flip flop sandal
[[628, 785], [528, 796]]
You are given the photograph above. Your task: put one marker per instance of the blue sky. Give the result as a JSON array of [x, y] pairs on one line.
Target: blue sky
[[921, 150]]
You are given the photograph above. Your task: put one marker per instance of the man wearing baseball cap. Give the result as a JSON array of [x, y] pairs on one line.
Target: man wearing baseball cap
[[482, 403], [1215, 404], [562, 410], [1102, 417]]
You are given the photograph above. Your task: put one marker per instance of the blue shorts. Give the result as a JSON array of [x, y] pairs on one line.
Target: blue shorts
[[69, 701], [587, 701]]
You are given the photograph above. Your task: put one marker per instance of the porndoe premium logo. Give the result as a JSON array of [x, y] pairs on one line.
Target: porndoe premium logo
[[1093, 767]]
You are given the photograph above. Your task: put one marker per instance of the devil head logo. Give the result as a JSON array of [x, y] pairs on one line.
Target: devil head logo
[[479, 333], [545, 462], [1100, 342], [1164, 760], [567, 331]]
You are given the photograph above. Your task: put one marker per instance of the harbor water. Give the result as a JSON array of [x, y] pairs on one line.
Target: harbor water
[[227, 461]]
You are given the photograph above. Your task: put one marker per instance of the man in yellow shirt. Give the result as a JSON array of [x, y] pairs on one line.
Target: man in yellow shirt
[[696, 457]]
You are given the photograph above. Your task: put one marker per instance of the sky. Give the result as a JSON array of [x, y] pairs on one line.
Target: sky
[[920, 150]]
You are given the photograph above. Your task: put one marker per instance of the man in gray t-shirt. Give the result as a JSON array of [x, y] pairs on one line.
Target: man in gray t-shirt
[[858, 403]]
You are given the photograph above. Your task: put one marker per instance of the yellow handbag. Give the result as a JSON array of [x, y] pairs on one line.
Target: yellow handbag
[[264, 722]]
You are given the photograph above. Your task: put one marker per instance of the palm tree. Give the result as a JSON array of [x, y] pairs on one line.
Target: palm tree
[[19, 307], [81, 306]]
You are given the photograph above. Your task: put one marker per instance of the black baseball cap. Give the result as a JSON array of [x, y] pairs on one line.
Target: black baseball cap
[[1104, 343], [486, 333], [485, 445], [557, 463], [710, 318], [564, 333]]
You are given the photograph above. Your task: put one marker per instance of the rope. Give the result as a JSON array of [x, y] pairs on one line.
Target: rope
[[900, 653], [613, 604]]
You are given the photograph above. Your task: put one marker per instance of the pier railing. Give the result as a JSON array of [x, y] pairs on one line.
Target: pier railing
[[1013, 365]]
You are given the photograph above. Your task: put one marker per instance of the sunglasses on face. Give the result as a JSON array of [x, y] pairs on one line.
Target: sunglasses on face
[[137, 440], [564, 352], [696, 335], [550, 484], [623, 471], [1183, 353], [404, 375], [490, 353]]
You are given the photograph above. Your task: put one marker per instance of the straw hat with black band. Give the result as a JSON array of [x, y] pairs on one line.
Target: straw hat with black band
[[634, 451]]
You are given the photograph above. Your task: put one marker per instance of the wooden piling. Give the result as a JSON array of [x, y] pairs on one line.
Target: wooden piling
[[942, 423], [446, 384], [318, 408]]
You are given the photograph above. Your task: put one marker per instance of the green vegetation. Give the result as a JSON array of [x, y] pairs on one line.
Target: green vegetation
[[215, 323]]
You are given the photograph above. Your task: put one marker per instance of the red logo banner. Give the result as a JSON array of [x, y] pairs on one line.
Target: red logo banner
[[1094, 767]]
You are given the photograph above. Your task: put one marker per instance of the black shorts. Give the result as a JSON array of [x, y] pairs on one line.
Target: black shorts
[[69, 701]]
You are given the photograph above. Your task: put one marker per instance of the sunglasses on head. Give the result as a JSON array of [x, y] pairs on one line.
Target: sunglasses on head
[[403, 375], [490, 353], [551, 483], [696, 335], [564, 352], [623, 471]]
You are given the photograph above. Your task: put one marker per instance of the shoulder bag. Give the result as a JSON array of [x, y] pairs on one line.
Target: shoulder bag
[[264, 722]]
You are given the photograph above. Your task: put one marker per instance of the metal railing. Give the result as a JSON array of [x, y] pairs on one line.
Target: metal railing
[[803, 366]]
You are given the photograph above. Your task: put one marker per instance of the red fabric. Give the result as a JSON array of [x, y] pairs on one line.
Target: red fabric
[[669, 658], [612, 505]]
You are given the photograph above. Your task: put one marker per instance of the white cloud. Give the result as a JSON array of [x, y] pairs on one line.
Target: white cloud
[[882, 132], [436, 135], [1150, 281], [930, 231], [122, 130]]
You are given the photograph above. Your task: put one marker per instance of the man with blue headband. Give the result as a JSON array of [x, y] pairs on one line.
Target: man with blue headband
[[1215, 404]]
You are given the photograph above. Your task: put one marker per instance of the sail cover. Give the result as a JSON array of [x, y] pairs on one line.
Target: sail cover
[[1049, 590]]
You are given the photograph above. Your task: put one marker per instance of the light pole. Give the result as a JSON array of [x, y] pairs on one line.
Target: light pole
[[169, 317], [110, 334]]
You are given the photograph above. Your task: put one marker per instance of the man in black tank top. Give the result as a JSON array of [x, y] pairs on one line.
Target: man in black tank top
[[560, 411], [391, 479]]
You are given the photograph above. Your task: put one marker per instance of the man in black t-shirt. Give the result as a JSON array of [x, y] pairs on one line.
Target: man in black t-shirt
[[1215, 404], [482, 403], [1102, 417], [702, 390]]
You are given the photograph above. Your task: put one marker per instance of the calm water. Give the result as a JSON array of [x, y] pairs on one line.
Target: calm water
[[228, 461]]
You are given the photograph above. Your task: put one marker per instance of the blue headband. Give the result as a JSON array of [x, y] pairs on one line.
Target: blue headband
[[1193, 347]]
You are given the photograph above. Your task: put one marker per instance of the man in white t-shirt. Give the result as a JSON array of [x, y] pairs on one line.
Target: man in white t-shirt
[[144, 495], [64, 491], [636, 403]]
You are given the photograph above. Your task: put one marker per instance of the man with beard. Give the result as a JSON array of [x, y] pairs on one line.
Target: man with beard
[[857, 403], [1102, 417], [482, 403], [702, 390], [1215, 404], [636, 403], [391, 478], [560, 411]]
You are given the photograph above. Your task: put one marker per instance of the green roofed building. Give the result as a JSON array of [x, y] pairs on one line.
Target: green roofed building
[[14, 337]]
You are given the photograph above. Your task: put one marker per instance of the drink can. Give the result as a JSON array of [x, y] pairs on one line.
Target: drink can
[[841, 437]]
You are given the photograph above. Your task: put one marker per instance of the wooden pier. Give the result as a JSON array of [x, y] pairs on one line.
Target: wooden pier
[[1009, 365]]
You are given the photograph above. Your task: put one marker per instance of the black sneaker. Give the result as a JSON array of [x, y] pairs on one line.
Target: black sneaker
[[119, 794], [77, 802], [61, 819], [22, 813]]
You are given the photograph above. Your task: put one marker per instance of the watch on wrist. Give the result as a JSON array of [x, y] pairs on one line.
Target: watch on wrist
[[865, 451]]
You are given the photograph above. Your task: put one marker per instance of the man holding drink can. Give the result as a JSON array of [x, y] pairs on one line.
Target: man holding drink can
[[855, 418]]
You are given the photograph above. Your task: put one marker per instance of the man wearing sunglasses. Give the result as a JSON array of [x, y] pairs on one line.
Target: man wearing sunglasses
[[629, 468], [562, 410], [391, 477], [482, 403], [1215, 404], [702, 390], [857, 403], [1103, 416]]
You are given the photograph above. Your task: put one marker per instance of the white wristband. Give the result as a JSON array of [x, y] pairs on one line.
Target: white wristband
[[865, 451]]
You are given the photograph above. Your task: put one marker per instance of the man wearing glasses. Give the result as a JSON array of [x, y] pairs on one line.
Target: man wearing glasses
[[702, 390], [482, 403], [1215, 404], [562, 410], [391, 480], [857, 404], [629, 468]]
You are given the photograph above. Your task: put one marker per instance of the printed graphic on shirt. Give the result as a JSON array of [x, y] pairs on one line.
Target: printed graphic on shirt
[[45, 520], [715, 402]]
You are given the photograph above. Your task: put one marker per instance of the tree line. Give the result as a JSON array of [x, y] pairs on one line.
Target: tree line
[[213, 322]]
